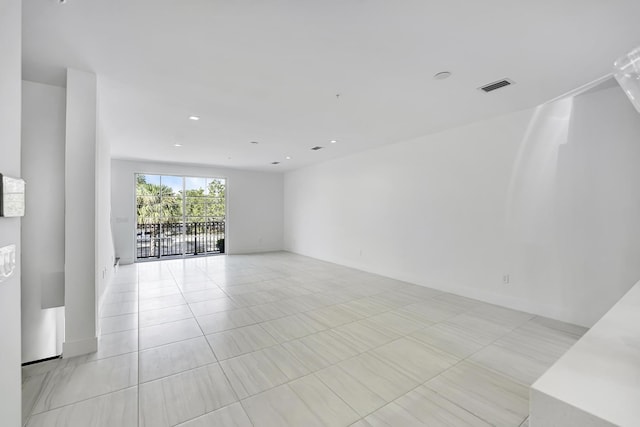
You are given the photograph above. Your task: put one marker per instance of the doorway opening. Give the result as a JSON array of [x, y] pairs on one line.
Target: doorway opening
[[179, 216]]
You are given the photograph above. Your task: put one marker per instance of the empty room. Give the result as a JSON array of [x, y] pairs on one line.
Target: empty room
[[333, 213]]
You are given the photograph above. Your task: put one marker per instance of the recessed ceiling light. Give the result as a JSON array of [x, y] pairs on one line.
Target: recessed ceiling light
[[177, 145], [194, 118], [288, 157], [275, 163], [442, 75], [333, 141]]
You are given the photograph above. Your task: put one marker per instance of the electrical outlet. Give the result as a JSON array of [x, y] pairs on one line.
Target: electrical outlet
[[7, 262], [506, 279]]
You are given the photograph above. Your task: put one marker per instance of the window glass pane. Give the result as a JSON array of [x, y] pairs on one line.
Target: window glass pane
[[177, 220], [216, 209], [171, 206], [193, 183], [195, 207], [149, 209], [171, 184], [147, 184], [195, 219], [216, 187], [199, 192]]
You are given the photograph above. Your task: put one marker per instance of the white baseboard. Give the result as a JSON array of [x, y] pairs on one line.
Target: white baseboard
[[512, 302]]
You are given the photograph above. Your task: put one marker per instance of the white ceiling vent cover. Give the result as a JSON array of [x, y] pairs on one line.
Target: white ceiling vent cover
[[496, 85]]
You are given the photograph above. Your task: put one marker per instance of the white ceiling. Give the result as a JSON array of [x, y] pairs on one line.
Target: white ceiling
[[269, 70]]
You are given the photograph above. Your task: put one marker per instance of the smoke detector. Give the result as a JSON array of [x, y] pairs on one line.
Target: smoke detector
[[442, 75]]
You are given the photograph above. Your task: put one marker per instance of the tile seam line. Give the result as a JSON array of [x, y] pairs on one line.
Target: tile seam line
[[235, 394], [440, 373], [383, 344], [85, 400], [466, 359]]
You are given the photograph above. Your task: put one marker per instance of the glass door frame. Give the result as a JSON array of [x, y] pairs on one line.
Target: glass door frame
[[184, 253]]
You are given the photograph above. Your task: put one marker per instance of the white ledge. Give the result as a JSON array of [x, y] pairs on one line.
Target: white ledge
[[597, 382]]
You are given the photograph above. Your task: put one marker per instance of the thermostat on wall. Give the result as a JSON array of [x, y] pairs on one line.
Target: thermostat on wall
[[11, 196]]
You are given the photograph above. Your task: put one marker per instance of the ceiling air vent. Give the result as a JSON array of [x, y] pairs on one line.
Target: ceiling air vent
[[275, 163], [316, 148], [496, 85]]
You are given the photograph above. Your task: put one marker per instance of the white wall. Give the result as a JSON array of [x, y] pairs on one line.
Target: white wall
[[80, 214], [254, 205], [43, 139], [10, 87], [550, 196], [105, 256]]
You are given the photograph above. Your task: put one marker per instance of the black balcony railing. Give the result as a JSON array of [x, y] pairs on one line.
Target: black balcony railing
[[182, 238]]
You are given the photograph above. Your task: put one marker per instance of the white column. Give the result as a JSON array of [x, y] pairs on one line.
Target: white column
[[80, 215]]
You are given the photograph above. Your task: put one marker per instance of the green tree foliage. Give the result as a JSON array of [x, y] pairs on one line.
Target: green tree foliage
[[158, 204], [217, 195]]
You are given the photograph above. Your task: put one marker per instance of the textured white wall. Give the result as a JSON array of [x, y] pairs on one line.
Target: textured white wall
[[254, 205], [43, 139], [10, 87], [550, 196]]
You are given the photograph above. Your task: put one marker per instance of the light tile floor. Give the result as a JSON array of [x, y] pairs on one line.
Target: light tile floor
[[283, 340]]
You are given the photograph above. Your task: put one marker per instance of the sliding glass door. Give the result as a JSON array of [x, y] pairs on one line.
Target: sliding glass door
[[179, 216]]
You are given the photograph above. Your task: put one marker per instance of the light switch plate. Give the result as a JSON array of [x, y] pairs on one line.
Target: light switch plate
[[7, 262], [11, 196]]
